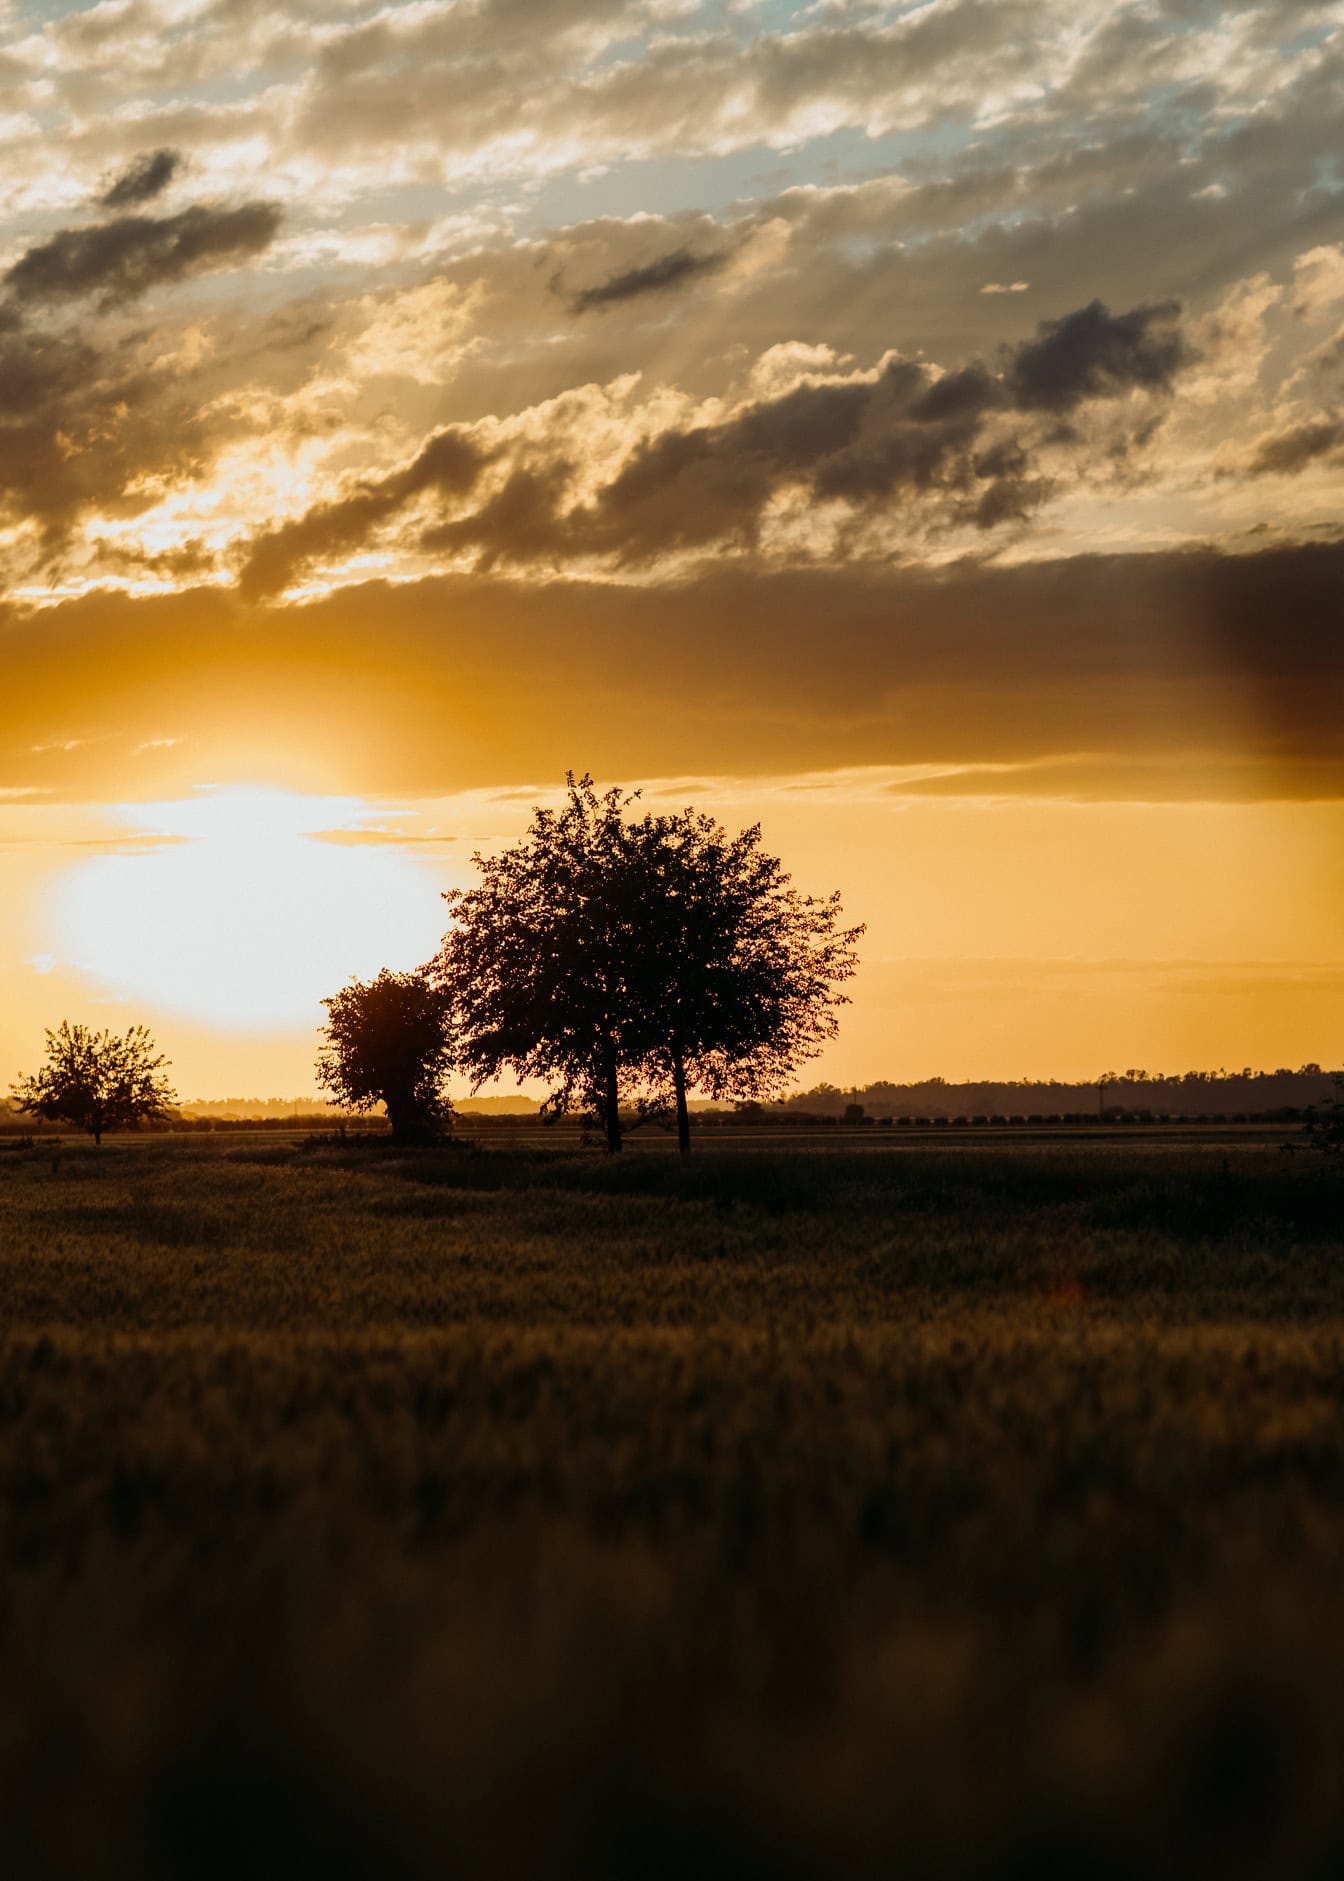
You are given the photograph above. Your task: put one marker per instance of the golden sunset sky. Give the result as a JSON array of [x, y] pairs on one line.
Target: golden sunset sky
[[917, 427]]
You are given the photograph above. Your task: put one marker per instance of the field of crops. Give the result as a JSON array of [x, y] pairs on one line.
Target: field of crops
[[957, 1511]]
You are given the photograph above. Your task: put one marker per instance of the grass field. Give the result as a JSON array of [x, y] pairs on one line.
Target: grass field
[[965, 1510]]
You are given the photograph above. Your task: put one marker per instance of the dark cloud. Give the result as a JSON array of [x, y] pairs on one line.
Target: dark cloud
[[449, 463], [964, 394], [1290, 451], [120, 260], [144, 179], [1195, 660], [655, 277], [1096, 354], [909, 434], [858, 442], [100, 422], [520, 522], [78, 426]]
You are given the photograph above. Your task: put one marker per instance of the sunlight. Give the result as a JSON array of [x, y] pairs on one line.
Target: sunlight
[[232, 908]]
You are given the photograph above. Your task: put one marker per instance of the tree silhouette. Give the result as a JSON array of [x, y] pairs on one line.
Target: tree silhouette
[[389, 1041], [617, 957], [534, 965], [1325, 1123], [97, 1080], [733, 975]]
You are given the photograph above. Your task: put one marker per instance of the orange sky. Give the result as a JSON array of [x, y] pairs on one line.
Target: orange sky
[[920, 428], [1006, 935]]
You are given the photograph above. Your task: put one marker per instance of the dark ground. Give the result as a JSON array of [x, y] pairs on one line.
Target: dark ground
[[972, 1510]]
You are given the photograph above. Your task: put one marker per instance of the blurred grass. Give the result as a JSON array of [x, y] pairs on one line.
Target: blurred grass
[[946, 1513]]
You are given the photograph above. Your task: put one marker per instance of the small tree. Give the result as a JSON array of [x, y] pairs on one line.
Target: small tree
[[389, 1041], [97, 1080]]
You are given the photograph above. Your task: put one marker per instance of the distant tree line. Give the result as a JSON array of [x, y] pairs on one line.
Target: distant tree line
[[1131, 1093]]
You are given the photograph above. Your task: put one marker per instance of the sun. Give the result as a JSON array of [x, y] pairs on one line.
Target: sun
[[235, 907]]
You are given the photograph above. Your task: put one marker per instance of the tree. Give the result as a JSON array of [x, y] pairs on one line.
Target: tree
[[641, 958], [390, 1041], [1325, 1123], [97, 1080], [734, 975], [534, 965]]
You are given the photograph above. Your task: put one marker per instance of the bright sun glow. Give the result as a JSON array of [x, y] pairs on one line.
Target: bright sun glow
[[242, 914]]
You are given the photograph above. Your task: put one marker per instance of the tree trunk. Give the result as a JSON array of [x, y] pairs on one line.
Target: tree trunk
[[611, 1104], [404, 1117], [683, 1115]]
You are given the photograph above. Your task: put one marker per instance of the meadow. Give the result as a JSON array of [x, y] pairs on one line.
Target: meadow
[[484, 1511]]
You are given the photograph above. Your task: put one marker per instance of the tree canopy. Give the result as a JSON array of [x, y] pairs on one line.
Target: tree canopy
[[625, 957], [733, 978], [389, 1041], [536, 962], [97, 1080]]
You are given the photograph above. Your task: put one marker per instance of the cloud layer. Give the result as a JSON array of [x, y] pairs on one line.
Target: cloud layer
[[612, 308], [1186, 674]]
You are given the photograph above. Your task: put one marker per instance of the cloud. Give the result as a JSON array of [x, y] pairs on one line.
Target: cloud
[[1096, 354], [655, 277], [516, 160], [903, 446], [449, 464], [520, 522], [1284, 453], [1224, 669], [1318, 281], [120, 260], [904, 432], [147, 177]]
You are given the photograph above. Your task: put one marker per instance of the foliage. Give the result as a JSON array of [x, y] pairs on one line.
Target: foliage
[[501, 1515], [536, 961], [617, 957], [97, 1080], [390, 1041], [1325, 1123], [733, 976]]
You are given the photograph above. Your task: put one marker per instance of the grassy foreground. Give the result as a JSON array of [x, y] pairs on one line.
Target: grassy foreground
[[482, 1514]]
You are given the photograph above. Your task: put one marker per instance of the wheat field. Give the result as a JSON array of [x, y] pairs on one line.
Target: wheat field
[[493, 1513]]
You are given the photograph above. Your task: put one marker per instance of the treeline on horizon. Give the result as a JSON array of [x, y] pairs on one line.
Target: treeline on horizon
[[1131, 1093], [1182, 1094], [1283, 1094]]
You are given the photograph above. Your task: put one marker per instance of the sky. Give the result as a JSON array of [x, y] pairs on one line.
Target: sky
[[916, 427]]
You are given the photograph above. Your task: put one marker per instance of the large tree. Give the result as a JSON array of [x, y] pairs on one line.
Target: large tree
[[535, 962], [389, 1041], [98, 1080], [619, 957]]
